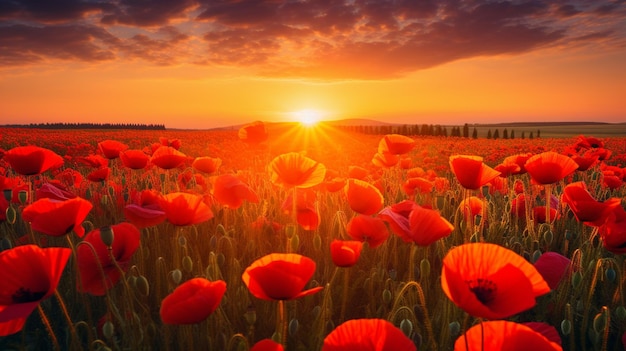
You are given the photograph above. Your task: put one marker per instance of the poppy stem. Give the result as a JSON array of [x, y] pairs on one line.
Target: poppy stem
[[344, 301], [548, 198], [282, 323], [66, 315], [412, 262], [46, 322]]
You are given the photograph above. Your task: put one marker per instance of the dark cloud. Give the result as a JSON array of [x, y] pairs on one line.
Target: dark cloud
[[291, 38]]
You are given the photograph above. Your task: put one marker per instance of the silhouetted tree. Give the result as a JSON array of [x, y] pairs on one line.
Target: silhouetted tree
[[466, 130], [505, 134], [496, 134], [475, 133], [489, 134]]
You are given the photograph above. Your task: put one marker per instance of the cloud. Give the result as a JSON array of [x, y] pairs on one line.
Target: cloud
[[312, 39]]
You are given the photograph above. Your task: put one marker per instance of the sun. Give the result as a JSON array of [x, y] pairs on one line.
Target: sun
[[307, 117]]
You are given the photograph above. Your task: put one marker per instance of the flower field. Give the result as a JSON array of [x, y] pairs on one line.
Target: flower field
[[309, 238]]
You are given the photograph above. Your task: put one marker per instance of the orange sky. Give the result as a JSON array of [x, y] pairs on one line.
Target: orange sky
[[202, 64]]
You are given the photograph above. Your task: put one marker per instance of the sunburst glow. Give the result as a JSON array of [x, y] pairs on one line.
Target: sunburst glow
[[307, 117]]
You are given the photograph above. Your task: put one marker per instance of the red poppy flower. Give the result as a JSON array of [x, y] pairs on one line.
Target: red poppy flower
[[363, 197], [280, 276], [539, 213], [613, 232], [134, 159], [111, 148], [175, 143], [585, 161], [345, 253], [306, 210], [98, 272], [94, 161], [584, 142], [366, 335], [471, 172], [99, 175], [611, 181], [385, 159], [422, 185], [32, 160], [231, 192], [147, 212], [57, 218], [295, 170], [396, 144], [490, 281], [553, 267], [357, 172], [368, 229], [267, 345], [427, 226], [397, 215], [505, 335], [185, 209], [518, 206], [254, 133], [520, 160], [29, 275], [206, 164], [69, 177], [550, 167], [471, 207], [53, 191], [192, 302], [507, 169], [585, 207], [166, 157], [334, 185]]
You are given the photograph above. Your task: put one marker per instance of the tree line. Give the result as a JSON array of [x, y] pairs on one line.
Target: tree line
[[135, 126], [437, 130]]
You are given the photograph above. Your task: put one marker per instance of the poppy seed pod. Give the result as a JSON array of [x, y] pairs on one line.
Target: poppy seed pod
[[107, 236]]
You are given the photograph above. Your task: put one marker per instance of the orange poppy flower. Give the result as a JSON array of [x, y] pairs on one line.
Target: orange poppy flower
[[368, 229], [489, 281], [99, 175], [334, 185], [585, 207], [111, 148], [357, 172], [549, 167], [611, 181], [280, 276], [427, 226], [296, 170], [345, 253], [147, 212], [254, 133], [206, 164], [406, 163], [29, 275], [505, 335], [397, 215], [585, 161], [422, 185], [613, 232], [306, 210], [553, 267], [231, 191], [507, 169], [192, 302], [94, 161], [584, 142], [166, 157], [471, 172], [520, 160], [367, 335], [385, 159], [94, 260], [363, 197], [540, 215], [185, 209], [32, 160], [396, 144], [134, 159], [471, 207], [175, 143], [267, 345], [57, 218]]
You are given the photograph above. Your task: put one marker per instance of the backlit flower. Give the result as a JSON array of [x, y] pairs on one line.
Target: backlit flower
[[471, 172], [32, 160], [296, 170], [585, 207], [254, 133], [134, 159], [427, 226], [29, 275], [192, 301], [97, 269], [363, 197], [147, 211], [185, 209], [57, 218], [396, 144], [553, 267], [280, 276], [166, 157], [206, 164], [231, 191], [504, 335], [306, 210], [549, 167], [345, 253], [367, 335], [489, 281], [111, 148], [368, 229]]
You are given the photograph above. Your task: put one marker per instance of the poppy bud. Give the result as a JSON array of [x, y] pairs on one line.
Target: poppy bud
[[387, 296], [11, 214], [577, 279], [220, 230], [293, 326], [610, 274], [455, 329], [290, 230], [182, 241], [5, 244], [407, 327], [8, 194], [177, 275], [599, 322], [566, 327], [536, 255], [108, 330], [22, 195], [548, 237], [142, 285], [104, 200], [107, 236], [424, 268], [317, 242], [187, 264], [620, 312], [295, 243], [250, 316]]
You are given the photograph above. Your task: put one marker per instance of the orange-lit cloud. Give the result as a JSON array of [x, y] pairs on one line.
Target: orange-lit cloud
[[309, 39]]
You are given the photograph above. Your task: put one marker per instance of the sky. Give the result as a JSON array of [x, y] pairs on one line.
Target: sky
[[210, 63]]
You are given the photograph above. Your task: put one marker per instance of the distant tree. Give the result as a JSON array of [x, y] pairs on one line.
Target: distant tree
[[505, 134], [444, 132], [496, 134], [475, 133], [425, 130], [531, 136], [465, 130], [512, 134], [538, 133], [489, 134], [523, 134]]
